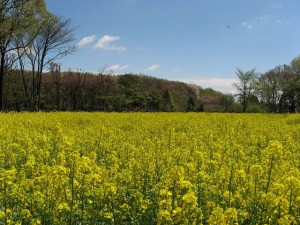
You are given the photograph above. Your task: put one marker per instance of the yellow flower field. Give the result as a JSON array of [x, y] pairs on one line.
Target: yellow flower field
[[149, 168]]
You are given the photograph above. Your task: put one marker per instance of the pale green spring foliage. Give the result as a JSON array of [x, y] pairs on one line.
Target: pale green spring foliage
[[161, 168]]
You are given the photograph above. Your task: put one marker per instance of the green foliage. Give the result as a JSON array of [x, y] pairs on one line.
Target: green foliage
[[168, 102], [103, 92], [19, 24], [190, 105], [278, 89]]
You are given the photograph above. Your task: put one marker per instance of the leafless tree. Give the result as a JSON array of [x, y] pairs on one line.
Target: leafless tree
[[245, 86], [53, 42]]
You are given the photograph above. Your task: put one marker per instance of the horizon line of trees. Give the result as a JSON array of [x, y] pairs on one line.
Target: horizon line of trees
[[275, 91], [82, 91]]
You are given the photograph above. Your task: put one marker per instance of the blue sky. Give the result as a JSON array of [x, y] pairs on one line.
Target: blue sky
[[195, 41]]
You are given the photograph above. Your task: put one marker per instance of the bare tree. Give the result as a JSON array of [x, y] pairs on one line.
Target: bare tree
[[74, 84], [52, 42], [105, 81], [245, 86], [57, 80]]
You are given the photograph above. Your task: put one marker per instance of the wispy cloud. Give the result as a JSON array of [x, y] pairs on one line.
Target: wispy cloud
[[247, 24], [12, 53], [152, 68], [21, 51], [105, 43], [116, 68], [86, 40], [283, 21], [255, 21], [220, 84]]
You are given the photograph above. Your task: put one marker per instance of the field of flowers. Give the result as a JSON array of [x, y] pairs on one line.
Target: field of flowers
[[144, 168]]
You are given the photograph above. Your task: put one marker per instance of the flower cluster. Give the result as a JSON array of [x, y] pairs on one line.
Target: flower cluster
[[149, 168]]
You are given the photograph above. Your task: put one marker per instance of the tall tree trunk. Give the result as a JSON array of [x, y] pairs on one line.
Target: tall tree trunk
[[2, 72], [38, 92], [57, 97], [39, 80], [25, 84]]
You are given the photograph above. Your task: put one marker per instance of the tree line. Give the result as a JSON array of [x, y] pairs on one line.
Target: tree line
[[82, 91], [275, 91]]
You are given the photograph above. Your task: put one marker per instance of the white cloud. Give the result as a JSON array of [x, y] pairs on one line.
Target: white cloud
[[255, 21], [152, 68], [283, 21], [219, 84], [30, 51], [248, 25], [264, 17], [105, 43], [116, 67], [12, 53], [21, 51], [86, 40]]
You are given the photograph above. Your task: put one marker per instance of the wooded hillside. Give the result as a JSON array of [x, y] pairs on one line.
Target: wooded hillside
[[80, 91]]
